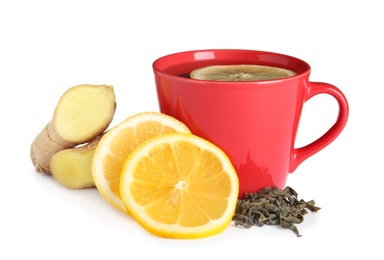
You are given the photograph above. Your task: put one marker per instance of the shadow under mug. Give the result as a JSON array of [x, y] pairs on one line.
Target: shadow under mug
[[254, 123]]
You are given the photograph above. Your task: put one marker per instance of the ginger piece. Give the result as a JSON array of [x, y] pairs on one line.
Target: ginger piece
[[72, 168], [82, 113]]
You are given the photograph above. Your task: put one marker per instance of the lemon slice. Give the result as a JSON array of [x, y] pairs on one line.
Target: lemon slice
[[240, 73], [116, 144], [179, 186]]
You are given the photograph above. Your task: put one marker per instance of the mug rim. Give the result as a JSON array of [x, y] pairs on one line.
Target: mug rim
[[161, 64]]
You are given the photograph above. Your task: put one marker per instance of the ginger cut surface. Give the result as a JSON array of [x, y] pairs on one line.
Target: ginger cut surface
[[72, 167], [84, 112]]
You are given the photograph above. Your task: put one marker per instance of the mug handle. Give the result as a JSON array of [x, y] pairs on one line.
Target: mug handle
[[315, 88]]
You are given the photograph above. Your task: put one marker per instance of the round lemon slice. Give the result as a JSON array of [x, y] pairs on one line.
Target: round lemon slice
[[116, 144], [179, 186], [240, 73]]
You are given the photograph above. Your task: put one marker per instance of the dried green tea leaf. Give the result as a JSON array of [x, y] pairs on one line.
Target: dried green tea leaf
[[273, 206]]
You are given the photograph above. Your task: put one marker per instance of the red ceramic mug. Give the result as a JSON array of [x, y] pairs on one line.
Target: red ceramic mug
[[254, 123]]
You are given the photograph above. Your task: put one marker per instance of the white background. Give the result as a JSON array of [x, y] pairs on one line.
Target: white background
[[48, 46]]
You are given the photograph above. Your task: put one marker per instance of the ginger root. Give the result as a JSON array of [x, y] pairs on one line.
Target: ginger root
[[82, 113], [72, 168]]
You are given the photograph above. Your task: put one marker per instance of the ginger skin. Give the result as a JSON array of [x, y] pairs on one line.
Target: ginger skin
[[72, 167], [82, 113], [46, 144]]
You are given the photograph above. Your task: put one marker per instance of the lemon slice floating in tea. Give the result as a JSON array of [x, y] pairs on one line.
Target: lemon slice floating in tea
[[179, 186], [240, 73]]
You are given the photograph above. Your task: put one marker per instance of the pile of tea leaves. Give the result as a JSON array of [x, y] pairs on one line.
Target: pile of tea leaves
[[273, 206]]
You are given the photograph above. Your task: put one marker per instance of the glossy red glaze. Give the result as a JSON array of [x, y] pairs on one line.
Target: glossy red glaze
[[254, 123]]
